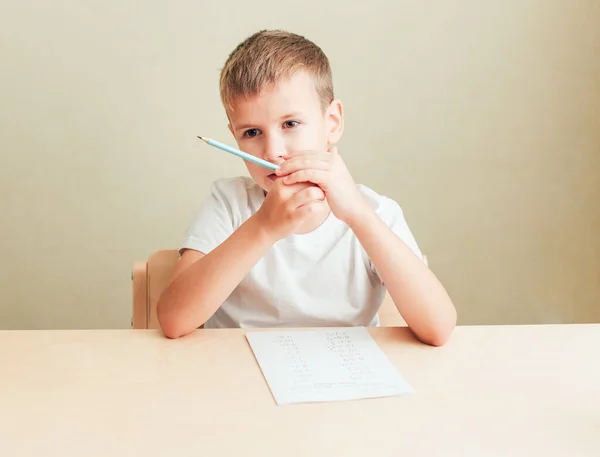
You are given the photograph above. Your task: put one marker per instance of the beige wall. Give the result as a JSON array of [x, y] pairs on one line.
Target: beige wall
[[481, 118]]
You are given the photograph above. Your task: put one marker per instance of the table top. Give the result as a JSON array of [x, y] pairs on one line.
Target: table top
[[490, 391]]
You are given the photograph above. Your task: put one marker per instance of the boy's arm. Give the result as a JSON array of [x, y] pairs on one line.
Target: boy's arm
[[201, 283], [419, 296]]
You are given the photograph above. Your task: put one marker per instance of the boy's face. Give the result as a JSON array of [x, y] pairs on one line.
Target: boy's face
[[284, 118]]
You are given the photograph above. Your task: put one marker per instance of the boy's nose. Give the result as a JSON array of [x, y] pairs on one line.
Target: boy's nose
[[274, 150]]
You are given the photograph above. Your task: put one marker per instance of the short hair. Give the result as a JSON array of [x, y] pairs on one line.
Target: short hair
[[268, 57]]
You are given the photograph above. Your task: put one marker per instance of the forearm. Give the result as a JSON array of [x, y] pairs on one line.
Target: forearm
[[419, 296], [198, 291]]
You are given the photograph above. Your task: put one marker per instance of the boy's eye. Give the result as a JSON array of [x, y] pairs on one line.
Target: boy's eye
[[251, 133], [291, 124]]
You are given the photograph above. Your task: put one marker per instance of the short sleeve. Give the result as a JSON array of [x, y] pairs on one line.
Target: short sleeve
[[213, 223]]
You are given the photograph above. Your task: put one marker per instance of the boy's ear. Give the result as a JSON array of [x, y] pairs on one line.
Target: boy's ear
[[335, 121]]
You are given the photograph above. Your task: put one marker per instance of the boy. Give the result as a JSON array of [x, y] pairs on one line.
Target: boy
[[304, 246]]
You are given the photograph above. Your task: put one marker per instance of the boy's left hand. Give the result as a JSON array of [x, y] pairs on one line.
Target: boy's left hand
[[327, 170]]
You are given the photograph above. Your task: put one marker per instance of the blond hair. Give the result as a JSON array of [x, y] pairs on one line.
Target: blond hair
[[268, 57]]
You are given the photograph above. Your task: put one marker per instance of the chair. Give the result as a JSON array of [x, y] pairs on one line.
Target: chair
[[150, 278]]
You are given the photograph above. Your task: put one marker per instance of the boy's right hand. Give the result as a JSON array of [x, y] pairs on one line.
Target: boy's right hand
[[286, 207]]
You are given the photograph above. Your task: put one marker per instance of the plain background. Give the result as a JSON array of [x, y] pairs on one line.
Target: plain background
[[481, 118]]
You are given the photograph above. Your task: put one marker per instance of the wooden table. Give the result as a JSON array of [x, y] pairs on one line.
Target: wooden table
[[491, 391]]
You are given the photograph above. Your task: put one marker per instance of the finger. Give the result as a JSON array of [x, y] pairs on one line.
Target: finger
[[306, 196], [317, 162], [305, 210], [319, 177], [287, 190], [300, 152]]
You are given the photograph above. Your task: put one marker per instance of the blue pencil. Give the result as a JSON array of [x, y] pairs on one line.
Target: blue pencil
[[237, 152]]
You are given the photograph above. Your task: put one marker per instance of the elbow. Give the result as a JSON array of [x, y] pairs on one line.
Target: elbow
[[438, 335], [176, 320], [173, 330], [171, 326], [437, 339]]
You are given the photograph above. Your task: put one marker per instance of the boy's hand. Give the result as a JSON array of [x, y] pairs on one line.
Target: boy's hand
[[327, 170], [287, 206]]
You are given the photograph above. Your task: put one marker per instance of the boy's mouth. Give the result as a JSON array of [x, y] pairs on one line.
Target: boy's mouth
[[272, 176]]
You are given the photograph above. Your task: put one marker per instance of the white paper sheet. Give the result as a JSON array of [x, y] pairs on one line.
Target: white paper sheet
[[325, 365]]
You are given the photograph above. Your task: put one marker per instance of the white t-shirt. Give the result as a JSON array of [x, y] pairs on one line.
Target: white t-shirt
[[322, 278]]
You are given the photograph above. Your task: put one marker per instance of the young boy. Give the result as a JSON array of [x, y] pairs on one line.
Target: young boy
[[304, 246]]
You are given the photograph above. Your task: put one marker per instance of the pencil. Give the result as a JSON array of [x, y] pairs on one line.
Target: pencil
[[242, 154]]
